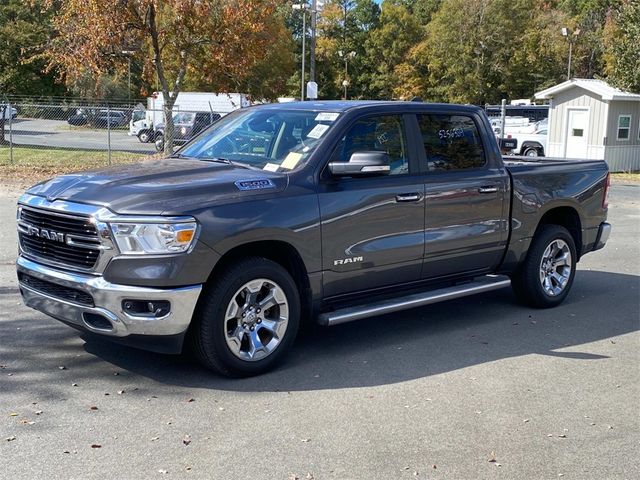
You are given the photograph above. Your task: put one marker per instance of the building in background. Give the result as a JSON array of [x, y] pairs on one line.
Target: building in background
[[591, 119]]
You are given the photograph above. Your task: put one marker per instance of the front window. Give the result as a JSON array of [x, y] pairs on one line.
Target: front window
[[271, 139], [624, 127]]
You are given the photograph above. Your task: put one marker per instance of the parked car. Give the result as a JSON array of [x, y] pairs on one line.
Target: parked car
[[8, 112], [79, 118], [531, 144], [187, 125], [309, 211], [109, 118]]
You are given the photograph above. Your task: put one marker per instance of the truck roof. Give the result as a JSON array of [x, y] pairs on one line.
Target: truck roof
[[346, 105]]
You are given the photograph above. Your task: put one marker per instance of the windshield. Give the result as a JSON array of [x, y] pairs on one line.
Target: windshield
[[264, 138], [183, 117]]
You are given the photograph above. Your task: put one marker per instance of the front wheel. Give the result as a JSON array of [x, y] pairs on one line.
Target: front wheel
[[546, 276], [531, 152], [144, 136], [159, 142], [247, 319]]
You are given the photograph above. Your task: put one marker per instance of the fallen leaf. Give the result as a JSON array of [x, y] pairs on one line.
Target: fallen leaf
[[13, 414], [221, 409], [66, 451], [188, 469], [562, 435], [609, 427], [38, 412], [155, 438], [309, 476], [96, 445], [492, 458], [191, 400], [62, 367], [293, 476], [434, 466], [74, 384], [93, 407], [116, 374], [162, 471], [187, 439], [305, 440], [11, 438], [526, 420]]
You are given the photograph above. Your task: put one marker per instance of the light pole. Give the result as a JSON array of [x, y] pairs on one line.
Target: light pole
[[303, 8], [571, 38], [346, 57], [128, 54]]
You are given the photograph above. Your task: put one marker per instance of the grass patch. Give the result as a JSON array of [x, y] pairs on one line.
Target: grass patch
[[628, 177], [31, 165]]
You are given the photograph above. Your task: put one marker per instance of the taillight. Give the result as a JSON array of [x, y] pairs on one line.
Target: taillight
[[605, 197]]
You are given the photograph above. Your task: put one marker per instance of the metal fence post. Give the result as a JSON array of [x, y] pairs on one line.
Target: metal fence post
[[10, 133], [109, 133]]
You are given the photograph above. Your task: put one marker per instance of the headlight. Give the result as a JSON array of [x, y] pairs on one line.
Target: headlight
[[154, 238]]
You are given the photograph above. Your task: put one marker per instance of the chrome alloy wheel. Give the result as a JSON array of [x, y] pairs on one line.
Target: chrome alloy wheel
[[256, 319], [555, 267]]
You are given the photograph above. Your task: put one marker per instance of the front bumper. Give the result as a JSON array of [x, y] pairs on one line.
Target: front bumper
[[108, 307], [603, 235]]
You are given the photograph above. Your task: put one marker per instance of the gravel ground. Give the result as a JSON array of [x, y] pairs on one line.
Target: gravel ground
[[470, 389]]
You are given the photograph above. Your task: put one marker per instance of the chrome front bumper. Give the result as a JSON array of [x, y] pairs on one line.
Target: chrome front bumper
[[108, 303]]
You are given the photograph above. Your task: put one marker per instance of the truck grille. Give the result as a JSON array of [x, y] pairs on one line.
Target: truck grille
[[65, 239], [55, 290]]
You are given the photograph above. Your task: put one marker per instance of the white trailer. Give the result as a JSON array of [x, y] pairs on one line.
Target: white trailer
[[222, 103]]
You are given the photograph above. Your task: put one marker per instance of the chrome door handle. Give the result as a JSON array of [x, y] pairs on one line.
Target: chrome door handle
[[487, 189], [408, 197]]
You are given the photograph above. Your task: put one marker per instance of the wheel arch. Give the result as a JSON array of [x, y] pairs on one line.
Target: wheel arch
[[278, 251], [530, 144], [567, 217]]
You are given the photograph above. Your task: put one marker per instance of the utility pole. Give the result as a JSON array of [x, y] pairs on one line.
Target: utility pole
[[312, 43], [303, 8], [571, 38]]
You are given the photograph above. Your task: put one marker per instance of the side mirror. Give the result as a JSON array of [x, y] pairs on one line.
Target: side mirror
[[363, 164]]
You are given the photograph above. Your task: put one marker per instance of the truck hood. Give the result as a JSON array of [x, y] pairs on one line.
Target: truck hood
[[170, 186]]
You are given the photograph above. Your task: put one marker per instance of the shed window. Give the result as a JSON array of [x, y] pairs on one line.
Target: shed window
[[624, 127]]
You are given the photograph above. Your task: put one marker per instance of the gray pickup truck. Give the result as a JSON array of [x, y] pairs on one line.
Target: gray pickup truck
[[284, 213]]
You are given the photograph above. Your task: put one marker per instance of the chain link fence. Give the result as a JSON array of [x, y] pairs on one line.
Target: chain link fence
[[54, 138]]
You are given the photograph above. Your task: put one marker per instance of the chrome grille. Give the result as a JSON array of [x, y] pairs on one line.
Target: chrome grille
[[77, 243]]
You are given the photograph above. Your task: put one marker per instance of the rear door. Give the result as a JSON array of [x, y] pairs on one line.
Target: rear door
[[373, 227], [467, 198]]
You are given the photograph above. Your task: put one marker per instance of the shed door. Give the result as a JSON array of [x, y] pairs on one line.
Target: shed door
[[577, 125]]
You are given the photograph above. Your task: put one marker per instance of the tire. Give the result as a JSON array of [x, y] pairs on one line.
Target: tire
[[231, 335], [159, 142], [545, 277], [144, 136], [531, 152]]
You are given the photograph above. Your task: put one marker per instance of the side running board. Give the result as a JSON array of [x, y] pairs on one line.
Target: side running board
[[349, 314]]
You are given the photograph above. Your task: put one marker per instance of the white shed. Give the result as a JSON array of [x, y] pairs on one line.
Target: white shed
[[593, 120]]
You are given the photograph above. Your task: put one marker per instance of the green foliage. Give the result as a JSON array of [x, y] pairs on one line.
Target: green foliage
[[622, 51], [23, 28]]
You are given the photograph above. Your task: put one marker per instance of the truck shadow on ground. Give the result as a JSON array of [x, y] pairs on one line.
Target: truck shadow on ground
[[421, 342], [378, 351]]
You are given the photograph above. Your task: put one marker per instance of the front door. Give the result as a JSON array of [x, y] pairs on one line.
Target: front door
[[577, 129], [467, 199], [372, 227]]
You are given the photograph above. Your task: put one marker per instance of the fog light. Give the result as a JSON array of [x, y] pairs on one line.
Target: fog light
[[146, 308]]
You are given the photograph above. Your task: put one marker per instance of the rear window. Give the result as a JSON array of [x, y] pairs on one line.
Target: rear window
[[451, 142]]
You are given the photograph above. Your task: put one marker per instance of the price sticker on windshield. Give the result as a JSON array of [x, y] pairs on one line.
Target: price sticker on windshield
[[291, 160], [318, 131], [327, 116]]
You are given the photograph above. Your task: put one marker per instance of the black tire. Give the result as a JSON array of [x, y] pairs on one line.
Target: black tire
[[145, 136], [527, 282], [159, 142], [531, 152], [209, 331]]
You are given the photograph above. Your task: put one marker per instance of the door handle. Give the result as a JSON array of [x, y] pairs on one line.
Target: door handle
[[488, 189], [408, 197]]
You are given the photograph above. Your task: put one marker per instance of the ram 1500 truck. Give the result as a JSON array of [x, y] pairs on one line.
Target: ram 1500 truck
[[329, 211]]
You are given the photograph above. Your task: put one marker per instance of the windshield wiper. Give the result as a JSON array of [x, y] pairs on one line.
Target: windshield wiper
[[229, 162]]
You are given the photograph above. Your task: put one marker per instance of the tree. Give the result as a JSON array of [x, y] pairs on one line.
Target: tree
[[387, 48], [622, 55], [222, 40], [23, 26]]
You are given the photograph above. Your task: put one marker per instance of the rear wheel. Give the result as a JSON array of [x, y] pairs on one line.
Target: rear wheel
[[531, 152], [144, 136], [546, 276], [159, 142], [247, 319]]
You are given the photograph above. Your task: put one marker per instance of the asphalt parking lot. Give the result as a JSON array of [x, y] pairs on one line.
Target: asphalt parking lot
[[59, 134], [470, 389]]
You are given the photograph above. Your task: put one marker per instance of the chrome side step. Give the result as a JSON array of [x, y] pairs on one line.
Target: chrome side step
[[349, 314]]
